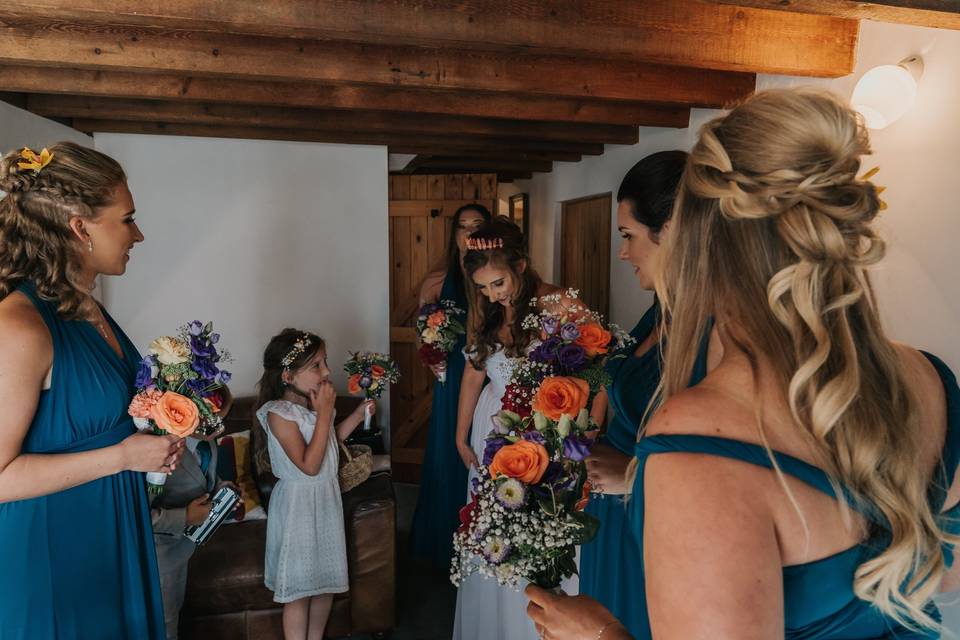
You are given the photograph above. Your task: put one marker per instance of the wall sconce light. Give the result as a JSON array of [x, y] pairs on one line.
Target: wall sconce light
[[887, 92]]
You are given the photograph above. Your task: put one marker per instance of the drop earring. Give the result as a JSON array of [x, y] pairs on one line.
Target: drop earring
[[90, 245]]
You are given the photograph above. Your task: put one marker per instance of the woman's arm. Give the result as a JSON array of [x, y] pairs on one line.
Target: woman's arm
[[26, 355], [470, 387]]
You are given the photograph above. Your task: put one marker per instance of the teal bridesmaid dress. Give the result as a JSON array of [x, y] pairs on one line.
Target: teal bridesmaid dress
[[80, 564], [607, 564], [444, 478], [819, 602]]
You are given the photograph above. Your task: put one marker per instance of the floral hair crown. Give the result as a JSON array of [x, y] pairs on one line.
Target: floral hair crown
[[296, 350], [34, 162], [484, 244]]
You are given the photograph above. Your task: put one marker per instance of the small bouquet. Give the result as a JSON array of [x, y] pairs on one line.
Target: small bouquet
[[178, 388], [438, 325], [370, 373], [526, 515]]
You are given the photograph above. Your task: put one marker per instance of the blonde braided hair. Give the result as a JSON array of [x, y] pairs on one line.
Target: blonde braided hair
[[770, 209], [36, 243]]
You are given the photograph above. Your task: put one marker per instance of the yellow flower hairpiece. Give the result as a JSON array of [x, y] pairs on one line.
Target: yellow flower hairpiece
[[866, 178], [34, 162]]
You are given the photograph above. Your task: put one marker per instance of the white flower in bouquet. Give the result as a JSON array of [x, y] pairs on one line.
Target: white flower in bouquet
[[170, 351]]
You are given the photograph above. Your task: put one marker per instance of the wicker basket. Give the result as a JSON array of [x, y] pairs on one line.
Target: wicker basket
[[355, 465]]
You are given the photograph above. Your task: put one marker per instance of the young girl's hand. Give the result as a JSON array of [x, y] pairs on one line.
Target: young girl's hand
[[323, 397], [360, 412]]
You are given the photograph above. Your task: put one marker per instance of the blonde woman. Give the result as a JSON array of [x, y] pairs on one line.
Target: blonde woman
[[805, 488], [76, 548]]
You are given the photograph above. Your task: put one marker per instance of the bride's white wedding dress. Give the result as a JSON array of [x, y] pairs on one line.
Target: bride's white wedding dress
[[485, 610]]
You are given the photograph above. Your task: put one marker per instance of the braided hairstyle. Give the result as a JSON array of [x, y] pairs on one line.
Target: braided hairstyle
[[772, 230], [36, 243], [486, 318]]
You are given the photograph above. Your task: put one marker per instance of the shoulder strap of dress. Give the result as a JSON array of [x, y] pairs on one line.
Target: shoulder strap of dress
[[745, 452]]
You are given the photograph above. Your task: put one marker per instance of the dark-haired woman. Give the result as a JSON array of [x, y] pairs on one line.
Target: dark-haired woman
[[645, 198], [443, 474]]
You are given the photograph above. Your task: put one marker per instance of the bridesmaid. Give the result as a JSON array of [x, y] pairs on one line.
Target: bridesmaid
[[645, 199], [77, 555], [444, 476]]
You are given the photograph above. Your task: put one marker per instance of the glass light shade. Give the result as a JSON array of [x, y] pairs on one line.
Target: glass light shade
[[884, 94]]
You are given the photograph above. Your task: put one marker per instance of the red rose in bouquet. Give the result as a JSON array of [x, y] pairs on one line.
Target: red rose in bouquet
[[430, 355]]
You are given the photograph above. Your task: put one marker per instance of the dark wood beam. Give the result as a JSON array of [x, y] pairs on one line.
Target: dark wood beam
[[223, 114], [118, 84], [397, 143], [942, 14], [512, 152], [678, 32], [447, 164], [45, 43]]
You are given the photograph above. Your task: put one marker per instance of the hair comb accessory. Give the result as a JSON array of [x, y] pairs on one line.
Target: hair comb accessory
[[484, 244], [34, 162], [296, 350], [866, 178]]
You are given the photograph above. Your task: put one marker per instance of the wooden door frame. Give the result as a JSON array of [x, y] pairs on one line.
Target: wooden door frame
[[559, 244]]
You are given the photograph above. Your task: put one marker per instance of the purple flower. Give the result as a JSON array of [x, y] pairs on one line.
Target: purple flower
[[549, 325], [195, 328], [546, 351], [205, 369], [224, 377], [572, 357], [365, 382], [214, 338], [576, 448], [490, 450], [535, 436], [144, 373], [569, 331], [201, 347], [496, 550]]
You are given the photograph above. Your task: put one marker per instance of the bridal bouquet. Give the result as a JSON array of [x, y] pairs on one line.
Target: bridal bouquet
[[179, 388], [526, 516], [370, 373], [438, 326]]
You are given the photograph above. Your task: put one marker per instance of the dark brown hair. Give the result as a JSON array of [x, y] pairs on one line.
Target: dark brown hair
[[485, 318]]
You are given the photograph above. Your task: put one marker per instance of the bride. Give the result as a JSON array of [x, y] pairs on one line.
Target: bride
[[505, 286]]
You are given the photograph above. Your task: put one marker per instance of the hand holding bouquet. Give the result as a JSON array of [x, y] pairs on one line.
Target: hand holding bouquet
[[438, 326], [370, 373], [179, 388]]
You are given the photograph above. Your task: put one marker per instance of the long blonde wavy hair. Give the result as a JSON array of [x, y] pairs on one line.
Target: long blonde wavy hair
[[772, 230], [36, 242]]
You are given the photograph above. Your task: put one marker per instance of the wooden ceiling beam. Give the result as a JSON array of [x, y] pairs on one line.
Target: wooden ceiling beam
[[941, 14], [290, 118], [397, 143], [676, 32], [512, 152], [468, 164], [28, 41], [118, 84]]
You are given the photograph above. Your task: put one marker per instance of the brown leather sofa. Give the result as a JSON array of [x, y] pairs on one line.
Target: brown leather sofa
[[226, 597]]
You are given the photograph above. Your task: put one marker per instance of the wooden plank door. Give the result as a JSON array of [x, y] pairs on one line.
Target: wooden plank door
[[585, 250], [421, 210]]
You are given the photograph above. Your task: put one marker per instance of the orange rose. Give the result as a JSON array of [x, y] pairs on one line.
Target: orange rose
[[377, 371], [593, 338], [436, 319], [561, 395], [526, 461], [176, 414], [353, 383]]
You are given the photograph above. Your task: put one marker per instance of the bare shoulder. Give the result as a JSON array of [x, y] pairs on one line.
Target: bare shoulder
[[920, 372], [432, 284], [697, 410], [22, 327]]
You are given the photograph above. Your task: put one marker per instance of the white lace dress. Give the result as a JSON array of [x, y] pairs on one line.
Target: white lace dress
[[306, 545], [485, 610]]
